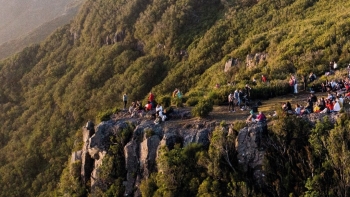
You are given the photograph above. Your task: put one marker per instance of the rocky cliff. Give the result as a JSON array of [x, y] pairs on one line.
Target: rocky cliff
[[140, 151]]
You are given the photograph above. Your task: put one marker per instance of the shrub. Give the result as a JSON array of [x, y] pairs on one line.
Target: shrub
[[165, 101], [75, 169], [203, 108], [238, 125], [192, 101], [149, 133], [106, 115], [265, 91], [196, 93], [223, 123], [177, 101], [213, 95]]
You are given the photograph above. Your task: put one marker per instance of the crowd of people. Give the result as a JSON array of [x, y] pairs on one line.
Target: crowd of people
[[239, 98], [333, 103], [337, 90], [152, 108], [136, 108]]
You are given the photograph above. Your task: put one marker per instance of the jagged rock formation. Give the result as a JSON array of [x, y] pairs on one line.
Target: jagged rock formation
[[230, 63], [251, 150], [254, 59], [141, 151]]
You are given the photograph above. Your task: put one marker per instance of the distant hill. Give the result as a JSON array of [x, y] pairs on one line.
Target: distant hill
[[26, 22]]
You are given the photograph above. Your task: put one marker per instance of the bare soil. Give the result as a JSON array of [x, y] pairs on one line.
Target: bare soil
[[221, 113]]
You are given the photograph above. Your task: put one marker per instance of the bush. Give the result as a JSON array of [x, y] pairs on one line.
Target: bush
[[75, 169], [106, 115], [275, 88], [219, 96], [203, 108], [196, 93], [192, 101], [238, 125], [149, 133], [177, 101], [165, 101]]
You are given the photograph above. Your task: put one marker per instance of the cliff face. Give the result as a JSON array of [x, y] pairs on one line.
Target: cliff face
[[141, 150]]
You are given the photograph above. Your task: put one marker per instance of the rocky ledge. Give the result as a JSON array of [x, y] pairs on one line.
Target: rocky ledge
[[140, 152]]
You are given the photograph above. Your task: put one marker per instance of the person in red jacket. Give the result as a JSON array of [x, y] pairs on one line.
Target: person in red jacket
[[261, 117], [263, 78], [151, 99], [329, 105]]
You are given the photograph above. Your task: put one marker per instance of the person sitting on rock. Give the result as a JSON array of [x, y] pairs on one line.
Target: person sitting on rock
[[309, 106], [336, 107], [297, 110], [341, 100], [313, 98], [159, 111], [251, 117], [158, 119], [317, 108], [132, 109], [284, 107], [148, 106], [289, 106], [329, 105], [261, 117]]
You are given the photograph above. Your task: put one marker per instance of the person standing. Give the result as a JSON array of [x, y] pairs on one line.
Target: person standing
[[125, 100], [247, 90], [236, 97], [295, 85], [291, 84], [304, 82], [230, 103]]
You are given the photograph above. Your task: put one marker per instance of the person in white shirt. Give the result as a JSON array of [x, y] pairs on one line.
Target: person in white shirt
[[159, 110], [297, 109], [341, 100], [336, 107]]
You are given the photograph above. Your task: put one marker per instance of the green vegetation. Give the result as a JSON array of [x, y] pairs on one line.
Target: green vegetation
[[203, 108], [48, 91]]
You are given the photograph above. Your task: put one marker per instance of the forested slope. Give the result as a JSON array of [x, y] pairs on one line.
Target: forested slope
[[49, 90]]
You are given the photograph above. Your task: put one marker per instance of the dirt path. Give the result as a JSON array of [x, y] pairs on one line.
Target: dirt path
[[221, 113]]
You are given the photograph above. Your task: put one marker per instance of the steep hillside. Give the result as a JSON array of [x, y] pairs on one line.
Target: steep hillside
[[48, 91]]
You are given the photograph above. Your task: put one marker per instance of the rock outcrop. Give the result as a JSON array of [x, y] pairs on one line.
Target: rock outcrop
[[254, 59], [141, 150], [251, 150]]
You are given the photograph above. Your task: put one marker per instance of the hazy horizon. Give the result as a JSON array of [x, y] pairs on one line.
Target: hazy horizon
[[19, 17]]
